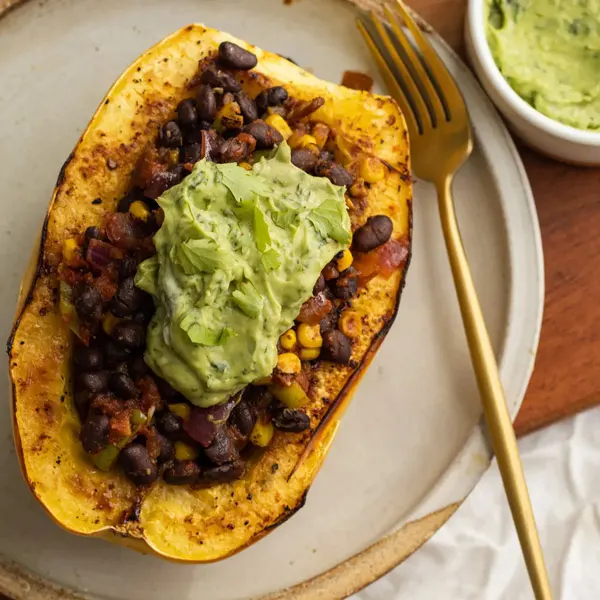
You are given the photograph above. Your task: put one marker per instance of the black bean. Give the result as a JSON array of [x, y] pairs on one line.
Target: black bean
[[170, 135], [89, 304], [277, 95], [271, 97], [219, 79], [167, 393], [346, 285], [262, 101], [183, 472], [375, 232], [206, 103], [233, 56], [304, 159], [243, 418], [247, 107], [138, 465], [82, 399], [128, 267], [94, 382], [121, 368], [191, 153], [127, 298], [145, 313], [169, 423], [289, 419], [138, 367], [122, 385], [167, 448], [338, 175], [129, 335], [224, 473], [236, 148], [336, 347], [91, 233], [125, 203], [266, 136], [187, 113], [222, 449], [89, 358], [319, 285], [94, 433], [113, 353], [329, 322]]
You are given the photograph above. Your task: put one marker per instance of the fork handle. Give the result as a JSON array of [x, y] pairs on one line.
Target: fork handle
[[496, 412]]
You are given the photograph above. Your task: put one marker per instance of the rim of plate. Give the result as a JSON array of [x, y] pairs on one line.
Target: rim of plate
[[372, 563]]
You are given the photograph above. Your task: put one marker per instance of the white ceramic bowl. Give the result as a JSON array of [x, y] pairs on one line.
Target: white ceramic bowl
[[537, 130]]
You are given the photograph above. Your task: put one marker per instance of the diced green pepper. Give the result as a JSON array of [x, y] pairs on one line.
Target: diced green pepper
[[106, 459]]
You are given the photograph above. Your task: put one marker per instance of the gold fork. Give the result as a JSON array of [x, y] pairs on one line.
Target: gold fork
[[441, 140]]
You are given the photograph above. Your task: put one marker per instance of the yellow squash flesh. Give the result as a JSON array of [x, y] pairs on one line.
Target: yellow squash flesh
[[177, 522]]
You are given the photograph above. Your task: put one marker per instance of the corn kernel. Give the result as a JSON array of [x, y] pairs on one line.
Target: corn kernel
[[230, 117], [181, 409], [371, 169], [309, 336], [262, 433], [350, 324], [69, 248], [289, 363], [246, 166], [345, 260], [139, 210], [288, 339], [280, 124], [293, 396], [320, 132], [109, 321], [358, 189], [309, 353], [303, 141], [184, 451]]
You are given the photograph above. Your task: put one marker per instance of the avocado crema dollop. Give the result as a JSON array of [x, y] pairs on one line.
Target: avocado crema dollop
[[549, 53], [237, 255]]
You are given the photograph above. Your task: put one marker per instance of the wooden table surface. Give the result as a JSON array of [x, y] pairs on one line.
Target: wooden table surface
[[567, 372], [566, 378]]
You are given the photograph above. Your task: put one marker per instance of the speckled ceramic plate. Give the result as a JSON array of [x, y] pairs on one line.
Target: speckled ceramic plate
[[411, 446]]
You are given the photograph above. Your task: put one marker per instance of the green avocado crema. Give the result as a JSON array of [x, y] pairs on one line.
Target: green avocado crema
[[237, 255], [549, 52]]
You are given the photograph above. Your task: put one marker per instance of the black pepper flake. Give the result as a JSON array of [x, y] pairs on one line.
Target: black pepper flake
[[107, 101], [246, 522], [97, 201], [274, 468], [230, 526], [111, 164], [249, 497], [21, 342], [62, 398]]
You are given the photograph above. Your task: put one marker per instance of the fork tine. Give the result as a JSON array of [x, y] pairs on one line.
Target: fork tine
[[398, 94], [452, 95], [415, 62], [421, 111]]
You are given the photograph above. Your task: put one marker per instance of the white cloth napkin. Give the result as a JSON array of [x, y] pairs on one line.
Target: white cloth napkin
[[476, 556]]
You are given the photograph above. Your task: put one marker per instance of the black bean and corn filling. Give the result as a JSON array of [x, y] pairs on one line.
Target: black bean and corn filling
[[130, 416]]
